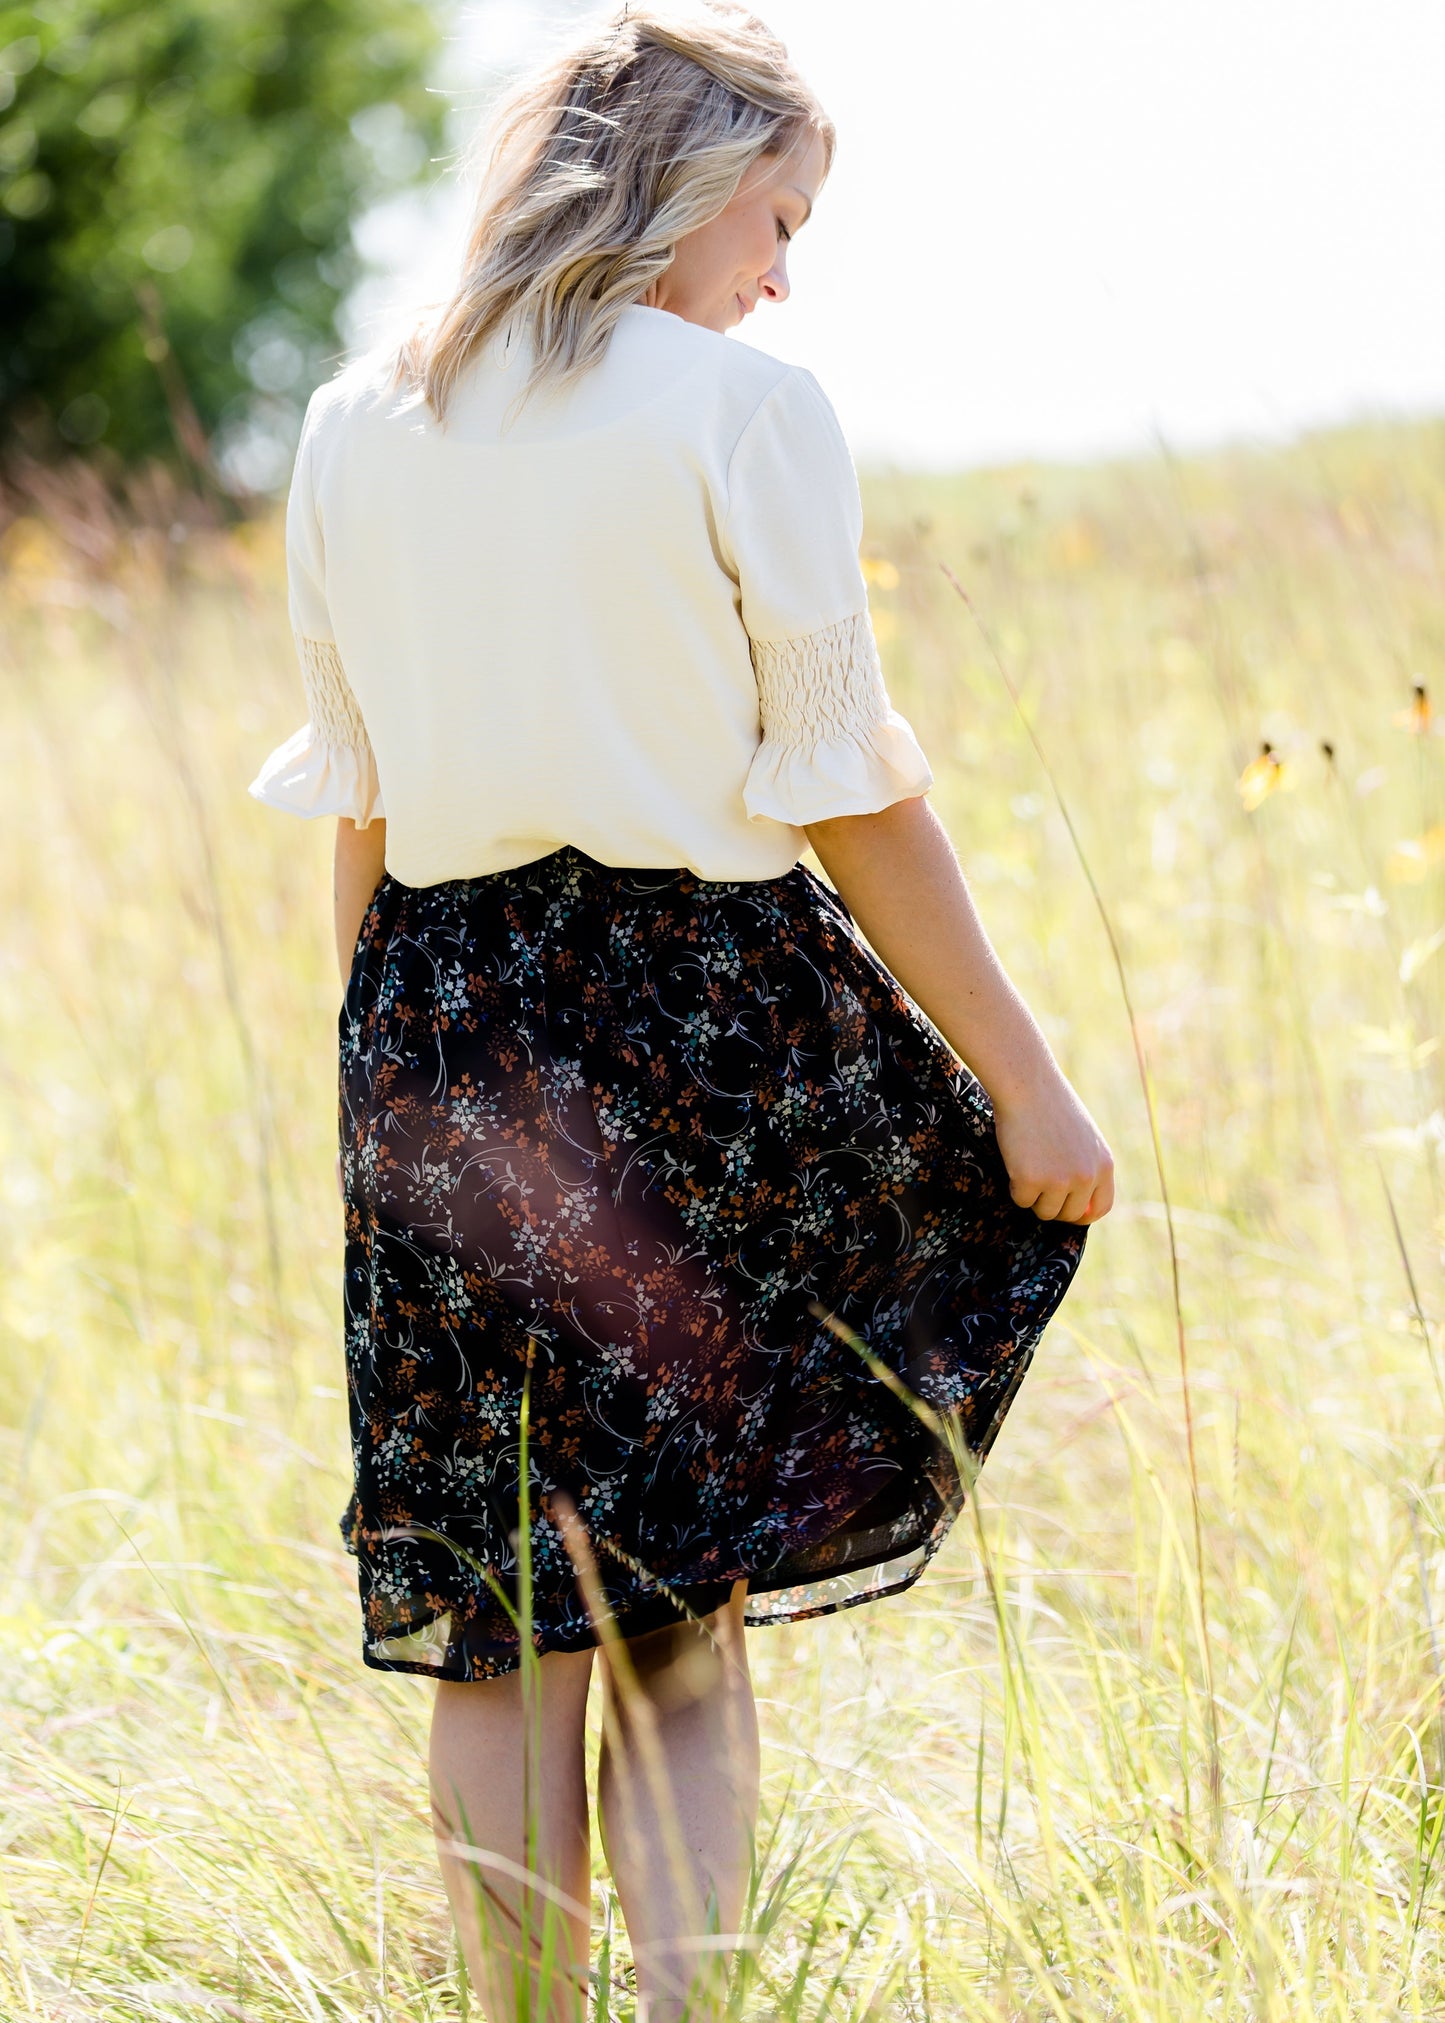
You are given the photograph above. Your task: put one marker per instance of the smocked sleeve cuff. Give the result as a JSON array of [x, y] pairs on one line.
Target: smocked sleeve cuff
[[832, 742], [328, 766], [309, 775]]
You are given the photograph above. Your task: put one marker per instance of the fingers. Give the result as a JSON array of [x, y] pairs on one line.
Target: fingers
[[1077, 1200], [1096, 1205], [1051, 1204]]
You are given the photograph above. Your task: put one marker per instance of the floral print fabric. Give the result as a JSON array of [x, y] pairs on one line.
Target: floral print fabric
[[616, 1146]]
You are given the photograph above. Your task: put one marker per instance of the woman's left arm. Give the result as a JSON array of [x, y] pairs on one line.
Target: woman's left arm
[[358, 866]]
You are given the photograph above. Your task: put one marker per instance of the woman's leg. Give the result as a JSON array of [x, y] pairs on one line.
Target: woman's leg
[[508, 1779], [678, 1797]]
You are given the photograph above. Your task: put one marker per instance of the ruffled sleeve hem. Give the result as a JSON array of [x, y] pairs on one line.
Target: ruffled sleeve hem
[[859, 773], [832, 742], [311, 775]]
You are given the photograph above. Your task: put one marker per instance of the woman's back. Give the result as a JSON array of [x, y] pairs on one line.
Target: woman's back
[[626, 614]]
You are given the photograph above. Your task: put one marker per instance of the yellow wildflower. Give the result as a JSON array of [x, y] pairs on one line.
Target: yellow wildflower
[[1260, 777]]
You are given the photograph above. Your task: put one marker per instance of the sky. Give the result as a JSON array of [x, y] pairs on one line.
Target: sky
[[1058, 230]]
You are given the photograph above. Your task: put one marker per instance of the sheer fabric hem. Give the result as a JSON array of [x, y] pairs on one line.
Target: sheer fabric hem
[[427, 1649]]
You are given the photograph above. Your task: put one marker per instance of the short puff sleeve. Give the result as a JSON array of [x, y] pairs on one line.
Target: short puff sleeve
[[327, 767], [832, 742]]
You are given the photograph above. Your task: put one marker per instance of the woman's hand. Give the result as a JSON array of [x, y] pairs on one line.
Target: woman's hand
[[1058, 1164]]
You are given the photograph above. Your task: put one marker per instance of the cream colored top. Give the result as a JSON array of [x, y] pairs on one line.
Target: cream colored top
[[628, 615]]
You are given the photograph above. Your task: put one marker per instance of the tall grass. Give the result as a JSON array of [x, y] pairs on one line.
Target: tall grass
[[992, 1797]]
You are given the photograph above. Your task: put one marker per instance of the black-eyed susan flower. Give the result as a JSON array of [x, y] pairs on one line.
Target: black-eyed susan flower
[[1261, 776], [1419, 718]]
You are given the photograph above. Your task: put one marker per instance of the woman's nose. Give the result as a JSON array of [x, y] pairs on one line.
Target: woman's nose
[[774, 284]]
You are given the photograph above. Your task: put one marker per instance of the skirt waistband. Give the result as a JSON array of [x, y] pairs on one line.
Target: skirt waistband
[[568, 857]]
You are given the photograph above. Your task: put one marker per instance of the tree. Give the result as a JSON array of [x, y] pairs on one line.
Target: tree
[[177, 182]]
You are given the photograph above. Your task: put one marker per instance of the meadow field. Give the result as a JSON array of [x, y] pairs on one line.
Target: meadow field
[[1161, 1734]]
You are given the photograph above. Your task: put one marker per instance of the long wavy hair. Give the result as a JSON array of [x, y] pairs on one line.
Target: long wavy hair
[[592, 169]]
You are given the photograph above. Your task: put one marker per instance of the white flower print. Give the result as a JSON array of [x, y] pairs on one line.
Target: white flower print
[[611, 1138], [665, 1402], [452, 996], [616, 1358]]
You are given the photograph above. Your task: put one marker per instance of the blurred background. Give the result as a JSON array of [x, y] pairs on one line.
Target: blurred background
[[1134, 316], [1051, 231]]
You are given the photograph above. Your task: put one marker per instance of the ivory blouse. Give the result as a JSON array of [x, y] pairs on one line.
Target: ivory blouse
[[628, 615]]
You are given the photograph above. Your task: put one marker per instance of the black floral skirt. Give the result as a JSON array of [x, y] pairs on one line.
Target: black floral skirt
[[678, 1248]]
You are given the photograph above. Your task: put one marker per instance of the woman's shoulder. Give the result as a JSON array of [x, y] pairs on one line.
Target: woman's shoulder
[[656, 346], [364, 381], [656, 364]]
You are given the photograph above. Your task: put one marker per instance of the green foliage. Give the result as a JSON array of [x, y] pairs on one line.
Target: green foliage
[[177, 182]]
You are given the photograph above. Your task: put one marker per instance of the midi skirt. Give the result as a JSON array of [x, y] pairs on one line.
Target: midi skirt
[[679, 1252]]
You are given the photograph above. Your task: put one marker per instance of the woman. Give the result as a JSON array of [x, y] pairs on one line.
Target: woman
[[665, 1204]]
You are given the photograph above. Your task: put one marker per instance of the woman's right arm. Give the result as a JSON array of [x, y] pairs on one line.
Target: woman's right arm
[[359, 862], [899, 878]]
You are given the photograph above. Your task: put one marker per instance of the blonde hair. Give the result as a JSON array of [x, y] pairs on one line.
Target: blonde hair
[[597, 165]]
